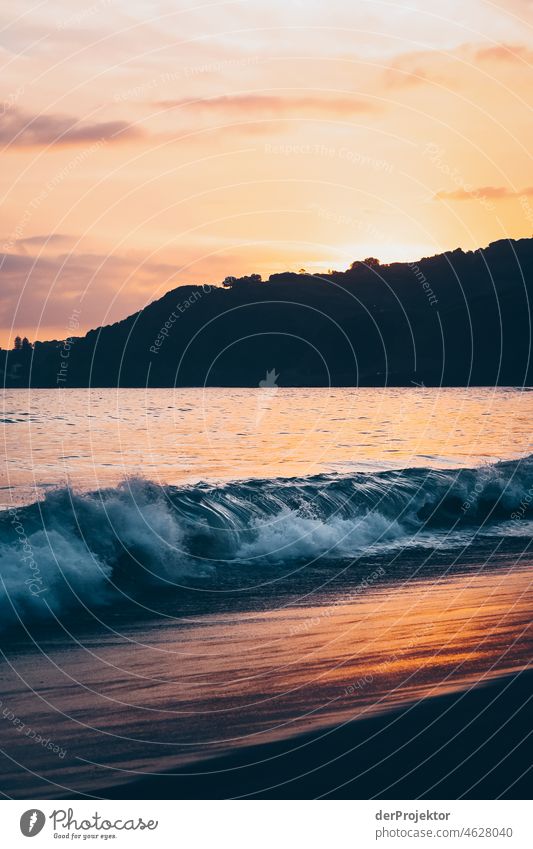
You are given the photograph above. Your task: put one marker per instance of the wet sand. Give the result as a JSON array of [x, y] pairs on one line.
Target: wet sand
[[369, 666], [472, 744]]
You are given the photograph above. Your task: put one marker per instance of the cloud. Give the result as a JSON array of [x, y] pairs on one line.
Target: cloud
[[46, 239], [31, 285], [485, 192], [20, 129], [506, 53], [276, 105], [38, 293], [399, 78]]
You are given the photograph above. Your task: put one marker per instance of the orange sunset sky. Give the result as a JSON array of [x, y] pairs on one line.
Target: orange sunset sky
[[146, 145]]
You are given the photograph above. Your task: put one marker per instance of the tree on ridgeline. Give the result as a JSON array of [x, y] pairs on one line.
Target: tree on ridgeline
[[369, 262], [240, 282]]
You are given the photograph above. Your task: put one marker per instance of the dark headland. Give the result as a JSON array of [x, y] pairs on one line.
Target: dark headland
[[455, 319]]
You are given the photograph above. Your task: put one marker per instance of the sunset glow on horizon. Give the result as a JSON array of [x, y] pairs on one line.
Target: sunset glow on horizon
[[148, 147]]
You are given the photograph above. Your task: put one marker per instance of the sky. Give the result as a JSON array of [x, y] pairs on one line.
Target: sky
[[148, 145]]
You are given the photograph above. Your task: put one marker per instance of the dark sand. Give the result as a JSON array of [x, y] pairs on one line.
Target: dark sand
[[372, 693], [472, 744]]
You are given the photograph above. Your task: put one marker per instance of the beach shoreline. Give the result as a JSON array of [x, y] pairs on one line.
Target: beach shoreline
[[358, 696]]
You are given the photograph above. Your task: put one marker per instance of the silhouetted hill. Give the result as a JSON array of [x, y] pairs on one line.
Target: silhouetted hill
[[453, 319]]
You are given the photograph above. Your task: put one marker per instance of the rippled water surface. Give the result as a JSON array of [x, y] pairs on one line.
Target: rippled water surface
[[94, 438]]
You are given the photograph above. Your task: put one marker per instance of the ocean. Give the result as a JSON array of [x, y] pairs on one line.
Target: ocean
[[191, 572]]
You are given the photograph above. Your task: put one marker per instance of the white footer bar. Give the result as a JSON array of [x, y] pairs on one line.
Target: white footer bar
[[268, 824]]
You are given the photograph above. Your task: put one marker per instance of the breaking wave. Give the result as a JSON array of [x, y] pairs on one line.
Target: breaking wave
[[74, 547]]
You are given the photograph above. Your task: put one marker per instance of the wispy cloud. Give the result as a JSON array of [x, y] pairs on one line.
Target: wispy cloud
[[37, 289], [489, 192], [21, 129], [506, 53], [273, 104], [54, 239], [398, 78]]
